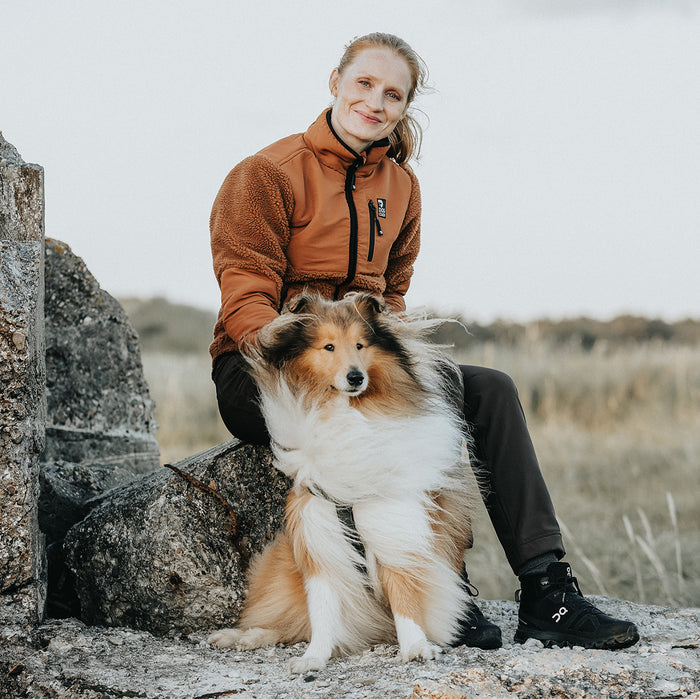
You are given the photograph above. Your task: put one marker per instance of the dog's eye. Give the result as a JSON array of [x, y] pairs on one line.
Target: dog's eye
[[359, 345], [329, 347]]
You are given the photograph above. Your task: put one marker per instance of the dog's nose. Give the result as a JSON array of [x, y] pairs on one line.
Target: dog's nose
[[355, 377]]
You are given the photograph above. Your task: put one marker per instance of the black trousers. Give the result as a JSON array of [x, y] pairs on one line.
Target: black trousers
[[512, 487]]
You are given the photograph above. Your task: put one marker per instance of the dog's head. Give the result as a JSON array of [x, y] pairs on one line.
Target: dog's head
[[327, 345]]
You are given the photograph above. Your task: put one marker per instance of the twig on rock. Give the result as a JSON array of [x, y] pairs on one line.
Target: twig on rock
[[20, 664], [242, 552]]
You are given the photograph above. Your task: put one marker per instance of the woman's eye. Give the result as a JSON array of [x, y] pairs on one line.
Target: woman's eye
[[329, 348], [394, 96], [364, 83]]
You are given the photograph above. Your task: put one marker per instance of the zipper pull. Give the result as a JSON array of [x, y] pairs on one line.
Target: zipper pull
[[354, 167]]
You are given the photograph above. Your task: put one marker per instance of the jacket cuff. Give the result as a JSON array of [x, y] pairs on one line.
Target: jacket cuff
[[396, 302], [243, 325]]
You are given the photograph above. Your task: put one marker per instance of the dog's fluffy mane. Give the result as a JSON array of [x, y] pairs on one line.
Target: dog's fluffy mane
[[353, 446], [415, 370]]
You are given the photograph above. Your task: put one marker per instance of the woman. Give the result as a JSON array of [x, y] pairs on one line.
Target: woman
[[337, 209]]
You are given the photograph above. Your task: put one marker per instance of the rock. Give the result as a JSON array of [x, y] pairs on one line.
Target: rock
[[22, 380], [168, 551], [99, 407], [83, 662], [100, 426], [66, 492]]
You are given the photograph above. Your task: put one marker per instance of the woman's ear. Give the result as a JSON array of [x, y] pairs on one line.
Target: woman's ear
[[333, 82]]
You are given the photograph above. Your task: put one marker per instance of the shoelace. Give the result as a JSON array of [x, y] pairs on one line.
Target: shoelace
[[471, 588], [565, 582]]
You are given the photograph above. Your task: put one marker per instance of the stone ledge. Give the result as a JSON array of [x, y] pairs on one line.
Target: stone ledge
[[84, 662]]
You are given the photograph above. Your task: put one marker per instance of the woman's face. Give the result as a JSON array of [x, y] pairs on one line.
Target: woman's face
[[370, 97]]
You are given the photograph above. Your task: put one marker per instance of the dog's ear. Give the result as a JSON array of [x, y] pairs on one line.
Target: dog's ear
[[300, 303], [283, 339], [370, 305], [297, 304]]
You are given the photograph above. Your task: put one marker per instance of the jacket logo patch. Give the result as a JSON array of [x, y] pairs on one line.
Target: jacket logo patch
[[381, 208]]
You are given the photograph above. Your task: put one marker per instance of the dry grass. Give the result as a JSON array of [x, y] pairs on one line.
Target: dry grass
[[618, 436], [186, 411], [617, 432]]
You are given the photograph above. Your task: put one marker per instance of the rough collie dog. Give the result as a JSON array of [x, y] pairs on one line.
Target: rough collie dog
[[358, 407]]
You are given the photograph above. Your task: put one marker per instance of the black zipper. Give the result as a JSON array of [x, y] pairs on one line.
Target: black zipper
[[372, 216], [373, 225], [352, 252]]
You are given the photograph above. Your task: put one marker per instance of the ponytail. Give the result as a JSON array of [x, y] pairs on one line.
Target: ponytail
[[406, 139]]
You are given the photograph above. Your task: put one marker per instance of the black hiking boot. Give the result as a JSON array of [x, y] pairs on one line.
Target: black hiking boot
[[475, 630], [554, 611]]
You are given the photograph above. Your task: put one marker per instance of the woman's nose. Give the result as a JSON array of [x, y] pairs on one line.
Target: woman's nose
[[374, 99]]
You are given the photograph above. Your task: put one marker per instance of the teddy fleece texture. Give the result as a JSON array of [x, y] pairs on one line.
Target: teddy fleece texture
[[293, 216]]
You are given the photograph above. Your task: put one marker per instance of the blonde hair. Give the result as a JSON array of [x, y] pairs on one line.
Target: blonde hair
[[407, 136]]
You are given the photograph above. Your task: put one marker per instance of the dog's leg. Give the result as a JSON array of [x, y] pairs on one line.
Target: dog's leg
[[405, 599], [324, 612], [275, 607], [317, 537]]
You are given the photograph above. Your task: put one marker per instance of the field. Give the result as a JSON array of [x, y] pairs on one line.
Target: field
[[616, 425]]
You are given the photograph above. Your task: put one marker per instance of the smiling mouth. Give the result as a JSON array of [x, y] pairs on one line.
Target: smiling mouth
[[368, 118]]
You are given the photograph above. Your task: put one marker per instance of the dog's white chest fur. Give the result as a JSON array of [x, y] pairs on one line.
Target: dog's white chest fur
[[353, 458], [386, 468]]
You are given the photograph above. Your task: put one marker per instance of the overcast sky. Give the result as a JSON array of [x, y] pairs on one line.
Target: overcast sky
[[561, 162]]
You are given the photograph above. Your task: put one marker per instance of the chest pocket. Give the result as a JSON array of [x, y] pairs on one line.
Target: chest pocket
[[375, 227], [377, 234]]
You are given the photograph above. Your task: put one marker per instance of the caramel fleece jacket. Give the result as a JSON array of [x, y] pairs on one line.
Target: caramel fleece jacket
[[309, 212]]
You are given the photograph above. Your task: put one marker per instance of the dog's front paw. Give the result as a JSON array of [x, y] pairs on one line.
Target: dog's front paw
[[306, 663], [224, 638], [421, 650], [244, 640]]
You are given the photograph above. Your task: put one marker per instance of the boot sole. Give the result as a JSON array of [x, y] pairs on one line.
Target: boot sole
[[624, 639]]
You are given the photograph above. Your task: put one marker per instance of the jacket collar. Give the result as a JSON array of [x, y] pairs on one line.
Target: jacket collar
[[331, 150]]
